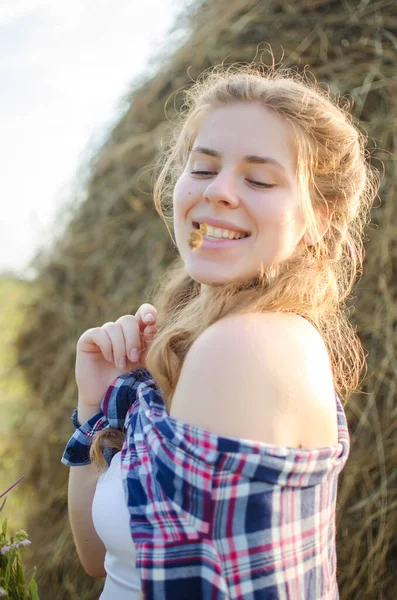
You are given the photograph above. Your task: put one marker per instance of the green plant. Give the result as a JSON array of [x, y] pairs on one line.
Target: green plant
[[13, 584]]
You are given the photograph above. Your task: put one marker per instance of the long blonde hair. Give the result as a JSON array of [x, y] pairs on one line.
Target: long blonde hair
[[336, 179]]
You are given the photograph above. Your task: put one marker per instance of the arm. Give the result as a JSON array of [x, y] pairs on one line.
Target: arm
[[82, 485], [99, 352], [264, 377]]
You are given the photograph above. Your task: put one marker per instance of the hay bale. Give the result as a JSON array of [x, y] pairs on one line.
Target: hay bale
[[115, 246]]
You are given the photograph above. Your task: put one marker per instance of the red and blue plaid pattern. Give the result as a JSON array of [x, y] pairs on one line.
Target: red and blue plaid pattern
[[219, 518]]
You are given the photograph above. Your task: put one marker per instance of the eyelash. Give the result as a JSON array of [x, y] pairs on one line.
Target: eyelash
[[258, 183]]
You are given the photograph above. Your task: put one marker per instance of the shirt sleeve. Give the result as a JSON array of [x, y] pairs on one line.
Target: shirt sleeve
[[114, 409], [77, 449]]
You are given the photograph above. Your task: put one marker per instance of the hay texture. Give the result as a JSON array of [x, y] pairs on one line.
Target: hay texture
[[115, 246]]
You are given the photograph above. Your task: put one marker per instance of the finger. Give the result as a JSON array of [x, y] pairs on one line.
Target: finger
[[132, 335], [96, 340], [149, 334], [113, 330], [142, 313]]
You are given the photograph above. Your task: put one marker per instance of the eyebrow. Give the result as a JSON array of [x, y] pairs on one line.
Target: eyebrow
[[251, 158]]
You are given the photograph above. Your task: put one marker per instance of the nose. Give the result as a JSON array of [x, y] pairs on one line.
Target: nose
[[222, 189]]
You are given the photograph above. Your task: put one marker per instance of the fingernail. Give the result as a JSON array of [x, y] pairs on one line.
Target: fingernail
[[149, 317], [134, 355], [122, 363]]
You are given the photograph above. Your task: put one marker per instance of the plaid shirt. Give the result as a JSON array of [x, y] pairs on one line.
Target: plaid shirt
[[215, 517]]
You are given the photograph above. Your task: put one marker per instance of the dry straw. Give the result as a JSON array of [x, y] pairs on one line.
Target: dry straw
[[196, 237], [111, 253]]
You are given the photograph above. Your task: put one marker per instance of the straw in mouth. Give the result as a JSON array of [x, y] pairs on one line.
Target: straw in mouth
[[196, 236]]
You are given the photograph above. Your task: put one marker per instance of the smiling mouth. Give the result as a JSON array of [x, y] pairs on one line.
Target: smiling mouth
[[201, 227], [199, 233]]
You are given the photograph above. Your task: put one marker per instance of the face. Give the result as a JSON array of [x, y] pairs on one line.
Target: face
[[241, 170]]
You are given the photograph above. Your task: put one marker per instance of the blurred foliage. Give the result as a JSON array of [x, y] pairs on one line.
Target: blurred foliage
[[13, 579], [15, 296]]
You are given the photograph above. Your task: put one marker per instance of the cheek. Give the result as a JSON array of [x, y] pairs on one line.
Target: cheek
[[183, 196], [274, 212], [183, 187], [280, 212]]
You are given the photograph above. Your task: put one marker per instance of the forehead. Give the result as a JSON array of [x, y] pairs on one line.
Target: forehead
[[243, 129]]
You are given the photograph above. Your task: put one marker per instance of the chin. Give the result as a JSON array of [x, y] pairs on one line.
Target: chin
[[216, 274], [210, 280], [215, 279]]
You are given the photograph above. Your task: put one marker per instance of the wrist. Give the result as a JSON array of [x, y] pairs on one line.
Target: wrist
[[85, 412]]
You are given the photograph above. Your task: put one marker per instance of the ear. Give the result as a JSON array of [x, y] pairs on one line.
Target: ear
[[310, 238]]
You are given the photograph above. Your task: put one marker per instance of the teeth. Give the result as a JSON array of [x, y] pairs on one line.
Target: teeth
[[216, 232]]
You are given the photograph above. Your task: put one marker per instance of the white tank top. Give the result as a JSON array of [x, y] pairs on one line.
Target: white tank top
[[112, 523]]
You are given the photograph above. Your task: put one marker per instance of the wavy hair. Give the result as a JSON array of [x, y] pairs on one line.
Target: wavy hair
[[338, 186]]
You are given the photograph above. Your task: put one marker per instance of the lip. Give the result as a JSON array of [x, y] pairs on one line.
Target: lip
[[223, 244], [219, 223]]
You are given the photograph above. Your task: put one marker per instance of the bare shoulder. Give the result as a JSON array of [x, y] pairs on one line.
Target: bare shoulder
[[260, 376]]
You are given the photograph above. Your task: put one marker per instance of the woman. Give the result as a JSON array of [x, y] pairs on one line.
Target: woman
[[224, 434]]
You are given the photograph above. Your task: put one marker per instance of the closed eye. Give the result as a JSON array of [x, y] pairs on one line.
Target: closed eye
[[202, 173], [261, 184], [258, 183]]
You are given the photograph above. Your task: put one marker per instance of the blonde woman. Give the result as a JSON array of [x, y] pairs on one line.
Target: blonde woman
[[218, 427]]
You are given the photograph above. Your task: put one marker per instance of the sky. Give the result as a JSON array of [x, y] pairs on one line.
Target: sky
[[64, 68]]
